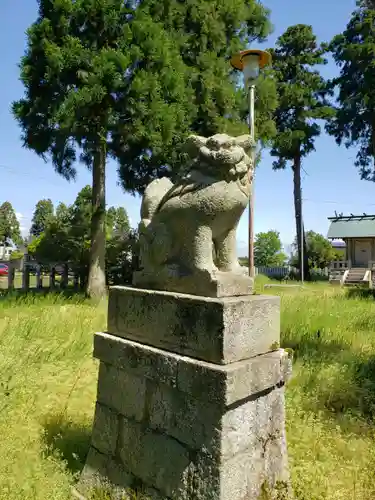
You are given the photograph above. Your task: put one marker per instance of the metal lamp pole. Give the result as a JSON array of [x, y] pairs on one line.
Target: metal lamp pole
[[251, 201], [250, 62]]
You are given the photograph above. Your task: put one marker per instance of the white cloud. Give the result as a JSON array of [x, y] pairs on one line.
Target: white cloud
[[24, 226]]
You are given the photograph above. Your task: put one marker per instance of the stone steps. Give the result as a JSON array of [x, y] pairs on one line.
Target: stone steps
[[355, 277]]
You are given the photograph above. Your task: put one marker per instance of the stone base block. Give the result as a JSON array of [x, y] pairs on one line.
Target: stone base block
[[215, 330], [217, 284], [182, 429]]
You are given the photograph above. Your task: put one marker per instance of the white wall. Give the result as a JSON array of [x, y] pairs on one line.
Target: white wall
[[5, 252]]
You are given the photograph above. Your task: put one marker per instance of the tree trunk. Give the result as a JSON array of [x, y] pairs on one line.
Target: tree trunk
[[298, 215], [96, 285]]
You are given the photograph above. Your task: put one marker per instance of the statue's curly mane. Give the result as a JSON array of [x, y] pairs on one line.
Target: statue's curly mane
[[217, 158]]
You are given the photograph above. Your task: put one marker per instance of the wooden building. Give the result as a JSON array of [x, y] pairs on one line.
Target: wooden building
[[358, 264]]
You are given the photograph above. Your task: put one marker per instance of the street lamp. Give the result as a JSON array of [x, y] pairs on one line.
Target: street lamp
[[250, 62]]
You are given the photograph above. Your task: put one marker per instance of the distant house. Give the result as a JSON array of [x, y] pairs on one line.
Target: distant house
[[338, 245], [357, 234], [5, 252], [6, 249]]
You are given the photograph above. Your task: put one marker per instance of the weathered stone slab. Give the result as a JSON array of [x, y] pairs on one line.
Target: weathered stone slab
[[122, 392], [188, 420], [208, 382], [105, 430], [156, 459], [222, 433], [216, 330], [137, 359], [216, 284]]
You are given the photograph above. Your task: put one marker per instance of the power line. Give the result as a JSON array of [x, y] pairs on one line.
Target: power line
[[337, 202], [13, 171]]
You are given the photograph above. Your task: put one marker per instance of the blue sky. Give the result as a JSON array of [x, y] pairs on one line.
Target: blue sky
[[331, 181]]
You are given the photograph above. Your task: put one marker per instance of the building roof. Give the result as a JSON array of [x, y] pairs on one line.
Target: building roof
[[352, 226]]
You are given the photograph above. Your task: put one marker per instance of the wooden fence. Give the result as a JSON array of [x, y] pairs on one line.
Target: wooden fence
[[273, 272], [62, 276], [283, 272], [35, 276]]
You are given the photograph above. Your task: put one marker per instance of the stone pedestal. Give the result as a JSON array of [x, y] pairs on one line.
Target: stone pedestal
[[205, 422], [214, 284]]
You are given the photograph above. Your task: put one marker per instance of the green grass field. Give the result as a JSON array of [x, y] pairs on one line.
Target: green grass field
[[48, 385]]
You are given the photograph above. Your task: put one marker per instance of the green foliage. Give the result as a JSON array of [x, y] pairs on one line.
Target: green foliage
[[9, 225], [63, 214], [100, 75], [369, 4], [105, 492], [68, 75], [354, 122], [301, 101], [122, 247], [117, 221], [53, 246], [33, 244], [340, 253], [66, 239], [203, 36], [43, 214], [16, 255], [319, 251], [243, 261], [268, 250]]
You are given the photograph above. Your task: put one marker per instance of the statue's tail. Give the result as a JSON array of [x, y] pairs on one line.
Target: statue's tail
[[152, 197]]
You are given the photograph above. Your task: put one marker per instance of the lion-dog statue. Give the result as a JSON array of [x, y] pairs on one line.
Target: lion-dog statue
[[187, 232]]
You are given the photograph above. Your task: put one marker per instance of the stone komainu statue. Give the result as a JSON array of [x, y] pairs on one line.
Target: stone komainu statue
[[188, 229]]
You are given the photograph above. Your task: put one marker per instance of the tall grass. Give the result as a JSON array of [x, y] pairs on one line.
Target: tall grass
[[331, 398], [48, 384], [47, 392]]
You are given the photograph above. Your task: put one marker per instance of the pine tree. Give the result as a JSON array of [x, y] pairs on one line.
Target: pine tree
[[9, 225], [301, 90], [90, 68], [354, 122], [206, 34], [63, 215], [117, 222], [43, 214], [368, 4]]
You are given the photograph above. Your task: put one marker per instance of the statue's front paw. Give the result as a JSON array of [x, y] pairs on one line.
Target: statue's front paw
[[236, 268]]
